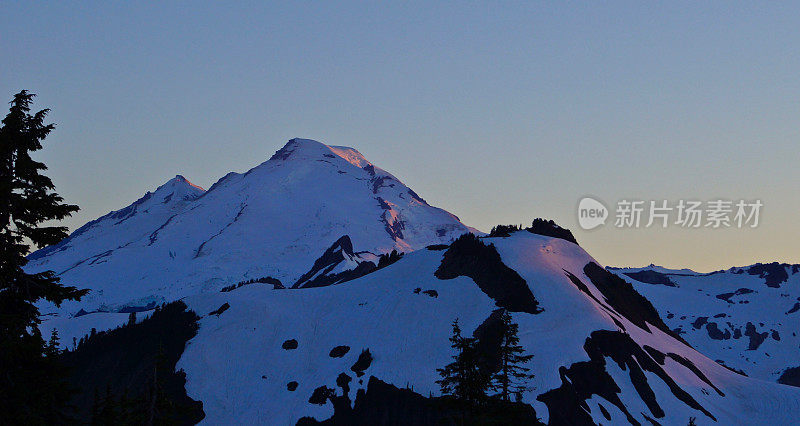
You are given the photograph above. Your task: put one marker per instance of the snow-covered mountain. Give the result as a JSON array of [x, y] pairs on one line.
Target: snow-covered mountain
[[602, 354], [319, 222], [273, 221], [747, 318]]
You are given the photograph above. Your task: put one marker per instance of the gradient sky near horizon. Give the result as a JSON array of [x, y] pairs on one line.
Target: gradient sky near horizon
[[497, 113]]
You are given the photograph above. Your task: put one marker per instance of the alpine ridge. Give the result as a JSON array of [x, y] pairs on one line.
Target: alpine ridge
[[746, 318]]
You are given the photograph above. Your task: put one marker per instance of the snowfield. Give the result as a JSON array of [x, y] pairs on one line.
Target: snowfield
[[237, 367], [746, 317]]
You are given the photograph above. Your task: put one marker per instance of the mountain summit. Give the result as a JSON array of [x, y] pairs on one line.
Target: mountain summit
[[273, 221]]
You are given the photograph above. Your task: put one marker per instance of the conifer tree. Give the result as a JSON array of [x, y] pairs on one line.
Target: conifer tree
[[52, 345], [31, 389], [463, 378], [512, 375]]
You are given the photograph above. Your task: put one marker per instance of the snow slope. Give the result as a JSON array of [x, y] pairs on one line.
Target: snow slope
[[746, 317], [274, 220], [236, 364]]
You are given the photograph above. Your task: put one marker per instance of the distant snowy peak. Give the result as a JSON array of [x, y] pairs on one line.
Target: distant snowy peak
[[275, 220], [307, 152], [182, 183], [655, 268], [774, 274], [299, 149], [396, 200], [129, 222], [169, 194], [173, 191]]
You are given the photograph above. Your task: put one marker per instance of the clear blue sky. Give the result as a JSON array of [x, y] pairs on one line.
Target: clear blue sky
[[496, 113]]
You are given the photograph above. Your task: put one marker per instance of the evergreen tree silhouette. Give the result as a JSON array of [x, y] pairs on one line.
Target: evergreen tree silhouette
[[32, 390], [51, 349], [512, 375], [463, 378]]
